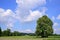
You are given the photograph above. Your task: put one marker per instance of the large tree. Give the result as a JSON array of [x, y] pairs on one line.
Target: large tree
[[0, 32], [44, 27]]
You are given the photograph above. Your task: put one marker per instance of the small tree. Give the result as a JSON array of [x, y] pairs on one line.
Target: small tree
[[16, 33], [44, 26], [0, 32], [8, 32]]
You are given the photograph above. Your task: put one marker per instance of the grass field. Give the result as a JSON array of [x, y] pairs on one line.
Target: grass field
[[29, 38]]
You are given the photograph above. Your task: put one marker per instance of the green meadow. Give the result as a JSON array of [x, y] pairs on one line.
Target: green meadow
[[29, 38]]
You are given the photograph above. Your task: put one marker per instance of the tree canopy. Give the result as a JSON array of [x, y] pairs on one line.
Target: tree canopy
[[44, 26]]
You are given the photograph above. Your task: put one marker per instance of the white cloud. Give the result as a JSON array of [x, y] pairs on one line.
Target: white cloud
[[34, 15], [56, 28], [1, 10], [57, 31], [9, 25], [55, 24], [23, 12], [53, 18], [6, 17], [27, 31], [30, 3], [58, 17], [8, 12]]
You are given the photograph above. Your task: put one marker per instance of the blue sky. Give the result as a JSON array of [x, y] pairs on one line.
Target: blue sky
[[21, 15]]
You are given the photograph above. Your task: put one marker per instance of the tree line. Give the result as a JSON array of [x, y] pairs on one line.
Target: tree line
[[15, 33]]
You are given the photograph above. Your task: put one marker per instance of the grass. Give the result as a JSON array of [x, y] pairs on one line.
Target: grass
[[29, 38]]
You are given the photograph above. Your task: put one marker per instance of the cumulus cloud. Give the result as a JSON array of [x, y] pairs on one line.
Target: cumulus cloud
[[24, 9], [30, 3], [58, 17], [23, 12], [34, 15], [57, 31], [6, 17], [53, 18], [55, 24], [56, 28]]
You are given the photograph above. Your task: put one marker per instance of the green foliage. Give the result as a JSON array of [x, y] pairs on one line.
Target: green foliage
[[0, 32], [6, 32], [44, 26], [15, 33]]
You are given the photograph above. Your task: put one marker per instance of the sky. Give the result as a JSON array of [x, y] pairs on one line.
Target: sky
[[22, 15]]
